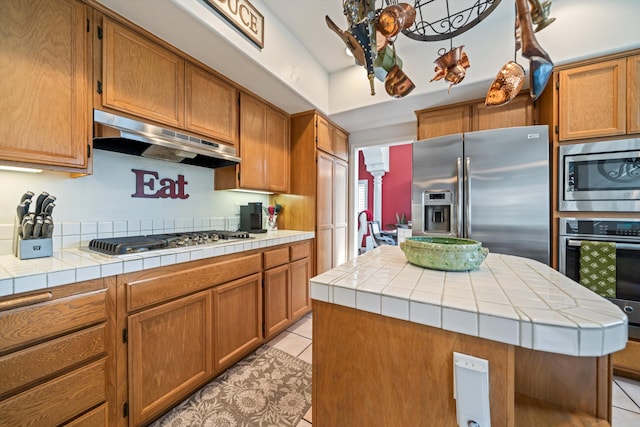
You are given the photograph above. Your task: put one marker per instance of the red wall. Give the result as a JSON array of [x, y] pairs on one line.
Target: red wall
[[396, 184]]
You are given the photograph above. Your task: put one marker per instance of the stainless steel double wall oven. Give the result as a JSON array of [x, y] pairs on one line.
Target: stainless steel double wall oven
[[625, 233], [602, 177]]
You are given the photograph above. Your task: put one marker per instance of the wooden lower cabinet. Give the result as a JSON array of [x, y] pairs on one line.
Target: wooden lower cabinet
[[277, 300], [57, 356], [170, 353], [237, 320], [300, 295], [627, 362]]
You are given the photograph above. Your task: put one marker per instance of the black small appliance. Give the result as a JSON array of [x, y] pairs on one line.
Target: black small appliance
[[251, 218]]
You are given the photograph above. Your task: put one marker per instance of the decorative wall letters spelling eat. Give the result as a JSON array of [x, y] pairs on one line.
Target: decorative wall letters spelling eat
[[242, 15], [167, 187]]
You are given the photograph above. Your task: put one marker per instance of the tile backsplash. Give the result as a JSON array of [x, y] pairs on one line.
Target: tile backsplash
[[70, 235]]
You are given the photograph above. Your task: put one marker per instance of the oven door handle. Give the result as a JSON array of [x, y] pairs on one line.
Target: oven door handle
[[627, 246]]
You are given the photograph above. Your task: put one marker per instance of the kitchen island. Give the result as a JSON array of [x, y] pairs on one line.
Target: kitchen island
[[384, 333]]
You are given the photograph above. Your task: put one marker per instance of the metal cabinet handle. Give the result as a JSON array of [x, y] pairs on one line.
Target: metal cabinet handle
[[627, 246], [460, 199], [26, 300], [467, 202]]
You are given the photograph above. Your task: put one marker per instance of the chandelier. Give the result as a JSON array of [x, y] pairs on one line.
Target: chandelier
[[372, 31]]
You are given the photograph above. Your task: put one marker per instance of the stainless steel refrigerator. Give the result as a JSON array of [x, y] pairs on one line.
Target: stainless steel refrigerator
[[491, 186]]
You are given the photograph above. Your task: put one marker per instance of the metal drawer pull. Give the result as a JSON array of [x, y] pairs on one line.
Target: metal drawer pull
[[26, 300], [628, 246]]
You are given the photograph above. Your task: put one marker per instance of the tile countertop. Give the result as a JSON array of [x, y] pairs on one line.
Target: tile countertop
[[508, 299], [75, 265]]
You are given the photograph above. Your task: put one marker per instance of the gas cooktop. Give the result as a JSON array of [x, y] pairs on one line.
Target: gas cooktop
[[135, 244]]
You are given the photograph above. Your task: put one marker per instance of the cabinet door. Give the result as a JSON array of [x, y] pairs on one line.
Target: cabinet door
[[445, 121], [277, 151], [252, 143], [592, 100], [300, 297], [340, 211], [44, 92], [341, 144], [633, 94], [324, 212], [211, 106], [140, 77], [277, 300], [518, 112], [170, 353], [237, 319], [324, 134]]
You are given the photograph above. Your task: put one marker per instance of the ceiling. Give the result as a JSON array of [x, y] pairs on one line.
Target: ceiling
[[286, 83]]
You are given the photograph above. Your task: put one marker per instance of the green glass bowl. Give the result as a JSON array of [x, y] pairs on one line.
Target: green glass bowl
[[444, 253]]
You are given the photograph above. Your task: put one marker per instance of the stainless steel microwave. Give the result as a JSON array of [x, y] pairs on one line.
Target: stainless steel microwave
[[600, 176]]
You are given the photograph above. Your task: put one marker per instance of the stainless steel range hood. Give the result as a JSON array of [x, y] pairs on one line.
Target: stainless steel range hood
[[124, 135]]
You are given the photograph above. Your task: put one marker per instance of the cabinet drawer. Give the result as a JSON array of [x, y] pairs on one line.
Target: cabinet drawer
[[39, 362], [58, 400], [153, 287], [276, 257], [300, 251], [96, 418], [25, 325]]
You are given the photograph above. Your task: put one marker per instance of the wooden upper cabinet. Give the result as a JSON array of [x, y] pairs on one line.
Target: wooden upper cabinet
[[324, 134], [277, 151], [443, 121], [341, 144], [253, 122], [44, 88], [211, 105], [474, 116], [331, 139], [264, 150], [140, 77], [633, 94], [518, 112], [592, 100]]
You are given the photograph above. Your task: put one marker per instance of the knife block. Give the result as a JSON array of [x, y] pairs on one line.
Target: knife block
[[34, 248], [31, 248]]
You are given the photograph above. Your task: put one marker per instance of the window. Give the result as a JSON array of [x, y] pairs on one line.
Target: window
[[363, 195]]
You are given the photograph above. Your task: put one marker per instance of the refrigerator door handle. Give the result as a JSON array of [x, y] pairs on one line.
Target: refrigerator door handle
[[460, 200], [467, 201]]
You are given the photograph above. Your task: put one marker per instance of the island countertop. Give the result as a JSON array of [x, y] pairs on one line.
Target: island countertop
[[508, 299]]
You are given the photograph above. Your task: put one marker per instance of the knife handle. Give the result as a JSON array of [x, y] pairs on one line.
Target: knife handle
[[47, 201], [40, 200], [27, 196], [37, 228], [27, 229], [49, 209]]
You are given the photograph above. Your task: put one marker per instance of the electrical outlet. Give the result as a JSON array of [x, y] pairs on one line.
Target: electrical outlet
[[237, 206]]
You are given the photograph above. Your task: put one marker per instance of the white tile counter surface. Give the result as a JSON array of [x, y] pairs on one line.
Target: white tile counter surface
[[74, 265], [508, 299]]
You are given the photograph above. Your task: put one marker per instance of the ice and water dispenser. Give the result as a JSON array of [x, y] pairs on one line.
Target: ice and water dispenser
[[437, 210]]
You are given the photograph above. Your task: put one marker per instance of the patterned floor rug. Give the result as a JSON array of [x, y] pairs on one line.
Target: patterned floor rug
[[267, 388]]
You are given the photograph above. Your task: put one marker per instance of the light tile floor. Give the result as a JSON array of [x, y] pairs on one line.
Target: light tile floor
[[296, 340]]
